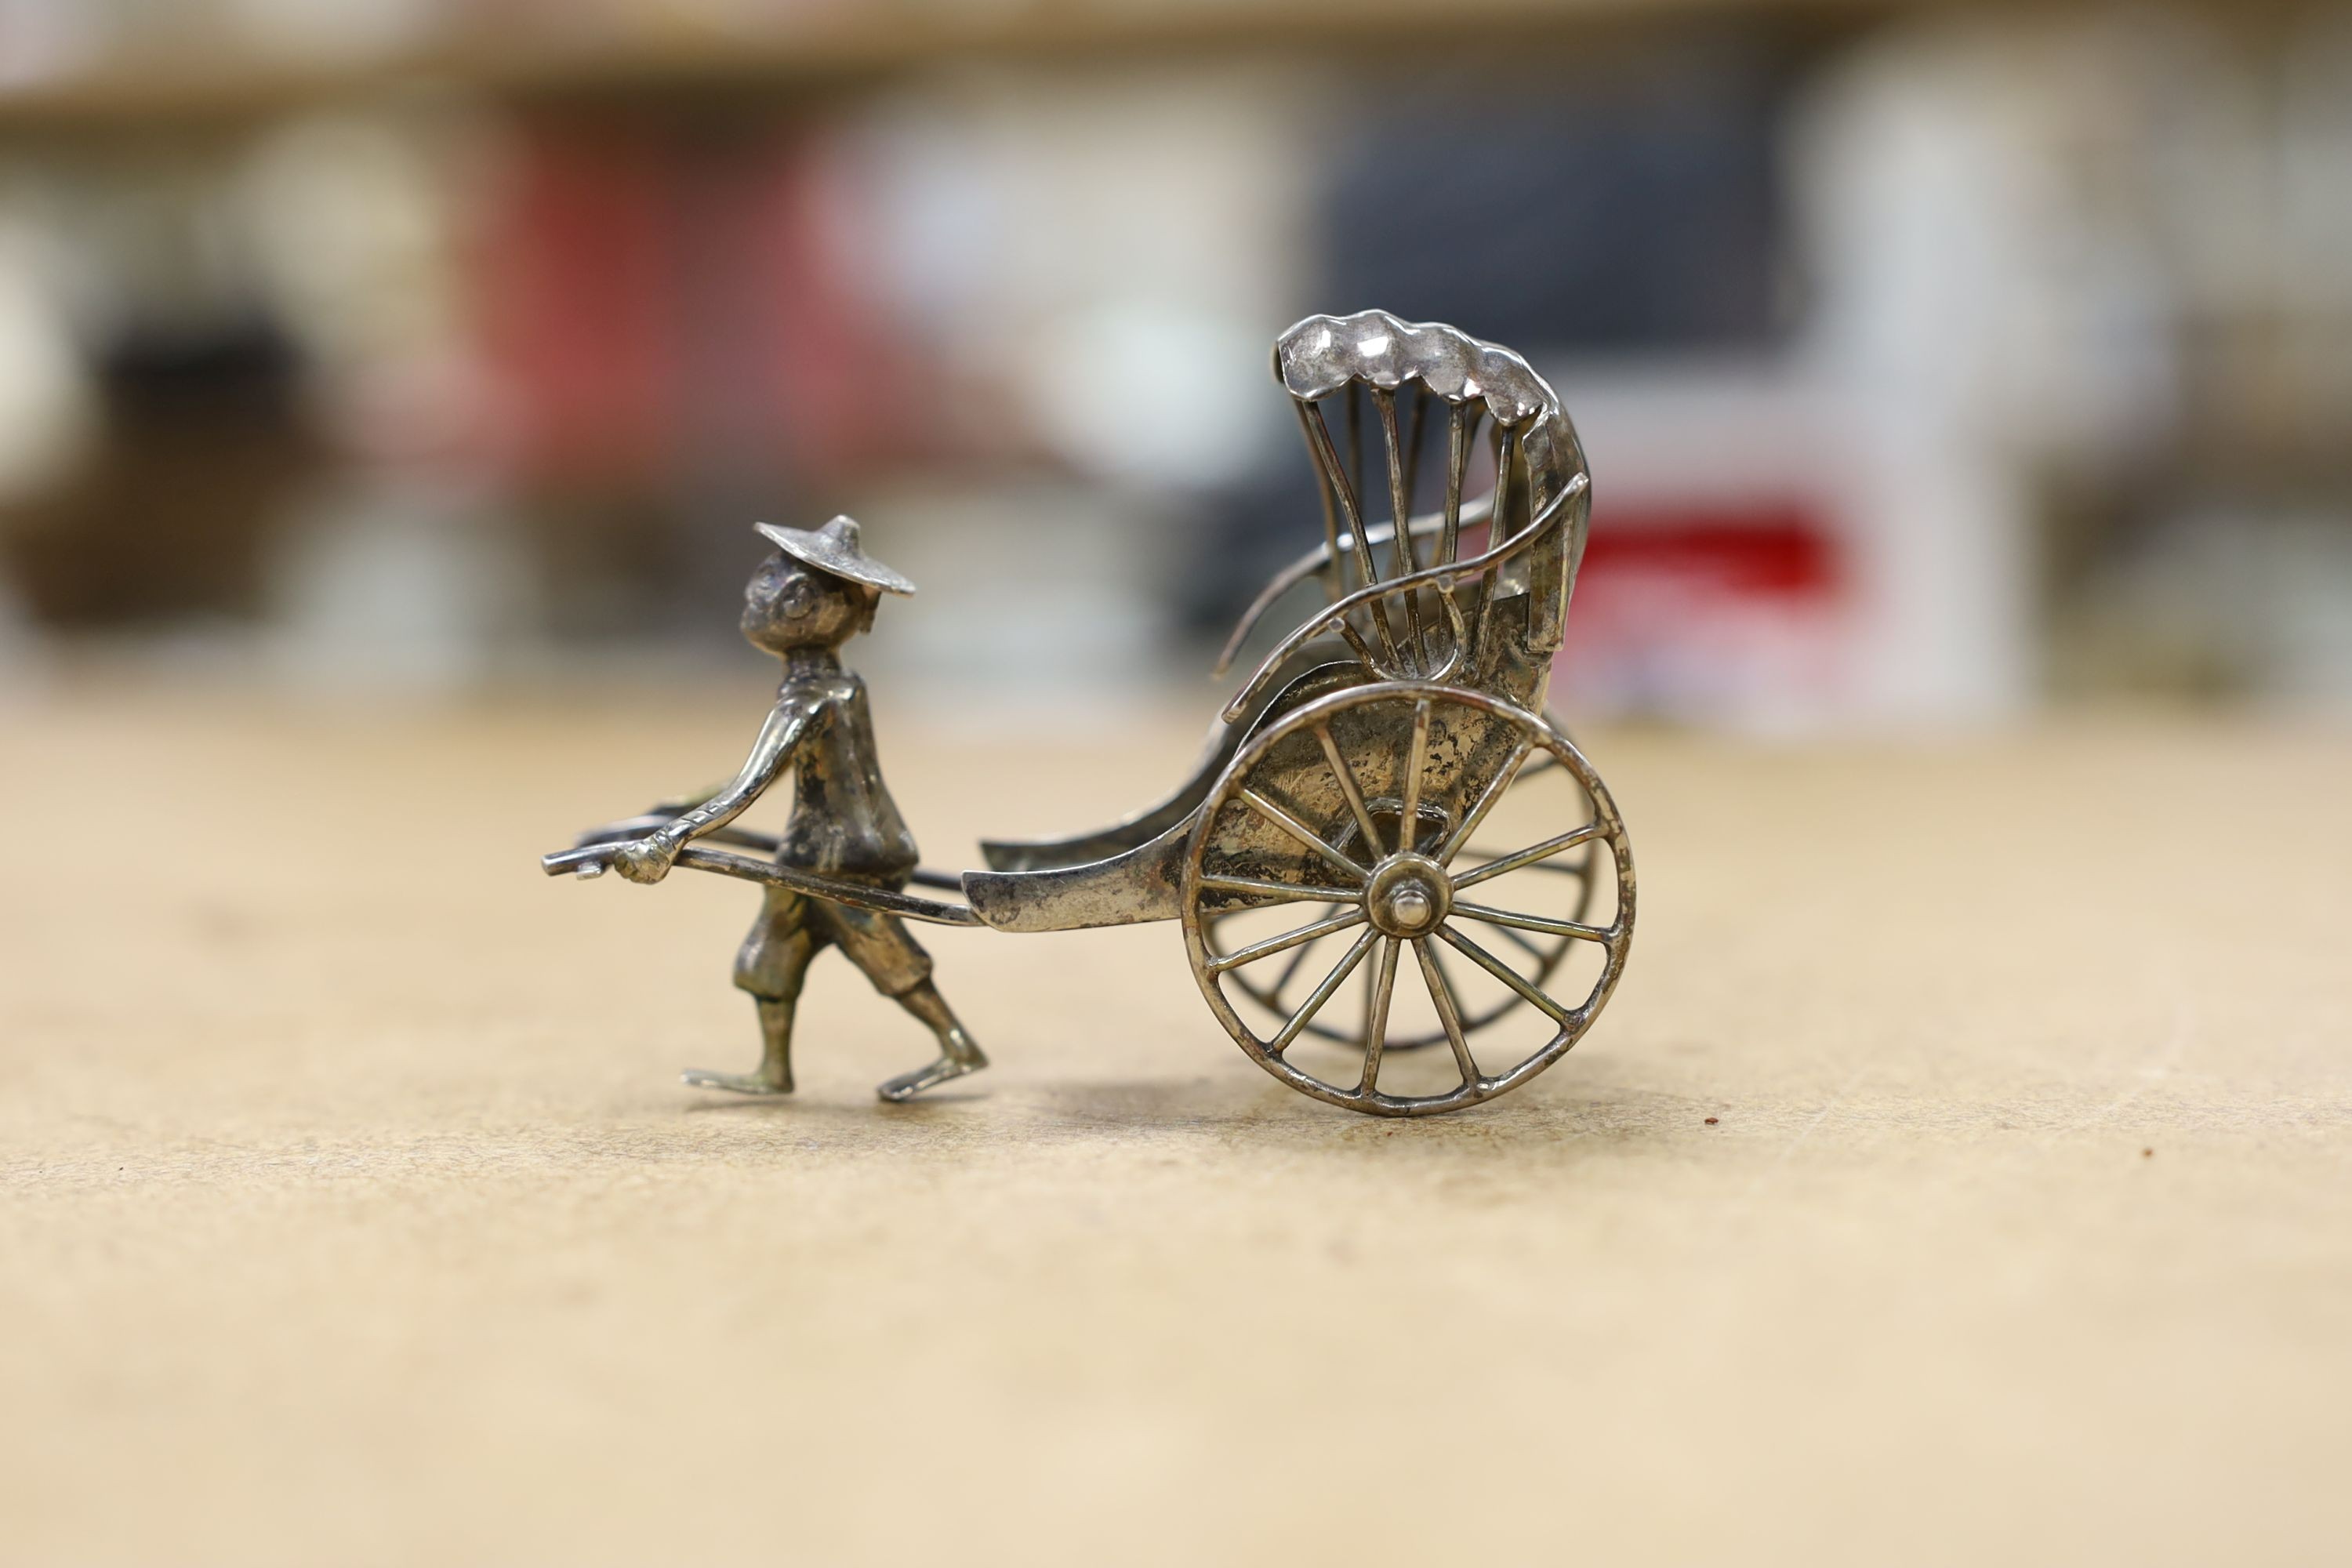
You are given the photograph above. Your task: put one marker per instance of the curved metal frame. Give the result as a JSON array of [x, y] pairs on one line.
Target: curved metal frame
[[1363, 883]]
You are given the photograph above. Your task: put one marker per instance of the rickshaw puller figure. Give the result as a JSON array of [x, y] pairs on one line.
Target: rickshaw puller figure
[[812, 594]]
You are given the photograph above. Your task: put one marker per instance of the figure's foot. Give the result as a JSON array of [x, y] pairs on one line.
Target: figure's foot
[[954, 1065], [736, 1082]]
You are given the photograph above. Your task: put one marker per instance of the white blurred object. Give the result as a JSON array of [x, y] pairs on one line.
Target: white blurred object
[[48, 409], [992, 632], [48, 413], [1980, 313], [397, 585], [407, 577], [332, 31], [354, 225], [42, 41], [1156, 403], [2103, 252], [1104, 249]]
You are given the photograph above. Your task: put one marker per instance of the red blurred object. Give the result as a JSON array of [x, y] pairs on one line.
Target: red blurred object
[[574, 289], [650, 302], [1709, 611], [1774, 553]]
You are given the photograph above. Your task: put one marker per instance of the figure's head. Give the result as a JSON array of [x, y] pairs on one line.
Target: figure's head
[[818, 590], [788, 604]]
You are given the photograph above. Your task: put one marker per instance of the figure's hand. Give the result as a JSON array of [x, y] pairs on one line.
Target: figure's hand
[[645, 860]]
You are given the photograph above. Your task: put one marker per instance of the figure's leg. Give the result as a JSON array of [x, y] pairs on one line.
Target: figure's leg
[[880, 945], [772, 964], [959, 1053]]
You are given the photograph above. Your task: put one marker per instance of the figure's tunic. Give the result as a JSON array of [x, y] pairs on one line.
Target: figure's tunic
[[844, 822]]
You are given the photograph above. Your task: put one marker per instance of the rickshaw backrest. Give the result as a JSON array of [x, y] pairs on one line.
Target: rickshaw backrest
[[1538, 457]]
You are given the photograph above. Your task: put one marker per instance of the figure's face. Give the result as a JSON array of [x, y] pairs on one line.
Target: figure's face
[[787, 605]]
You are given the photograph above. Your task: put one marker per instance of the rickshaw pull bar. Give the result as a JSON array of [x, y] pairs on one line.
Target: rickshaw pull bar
[[629, 827], [592, 860]]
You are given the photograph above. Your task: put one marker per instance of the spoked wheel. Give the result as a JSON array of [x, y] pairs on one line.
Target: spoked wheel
[[1364, 804], [1277, 989]]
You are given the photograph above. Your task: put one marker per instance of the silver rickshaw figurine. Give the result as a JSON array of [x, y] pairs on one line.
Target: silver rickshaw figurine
[[1344, 792]]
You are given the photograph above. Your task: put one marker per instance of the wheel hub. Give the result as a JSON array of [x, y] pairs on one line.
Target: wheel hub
[[1407, 895]]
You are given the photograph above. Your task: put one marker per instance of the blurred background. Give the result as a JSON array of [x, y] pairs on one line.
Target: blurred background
[[1936, 362]]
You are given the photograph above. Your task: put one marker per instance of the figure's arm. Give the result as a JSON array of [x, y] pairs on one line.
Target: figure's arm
[[682, 803], [649, 858], [638, 823]]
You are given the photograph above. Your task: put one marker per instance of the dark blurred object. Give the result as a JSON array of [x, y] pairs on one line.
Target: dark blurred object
[[1621, 204], [1628, 203], [206, 445]]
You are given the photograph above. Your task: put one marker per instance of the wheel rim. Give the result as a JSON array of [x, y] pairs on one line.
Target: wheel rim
[[1280, 995], [1398, 911]]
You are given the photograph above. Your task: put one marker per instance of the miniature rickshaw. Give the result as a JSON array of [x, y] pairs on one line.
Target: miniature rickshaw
[[1350, 773]]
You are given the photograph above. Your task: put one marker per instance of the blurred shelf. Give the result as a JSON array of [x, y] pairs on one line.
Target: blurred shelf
[[813, 52]]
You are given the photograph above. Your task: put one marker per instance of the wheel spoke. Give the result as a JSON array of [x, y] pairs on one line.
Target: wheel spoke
[[1284, 942], [1523, 942], [1494, 792], [1280, 892], [1299, 956], [1416, 754], [1581, 869], [1322, 994], [1438, 959], [1376, 1026], [1300, 831], [1349, 788], [1543, 851], [1502, 972], [1544, 923], [1440, 995]]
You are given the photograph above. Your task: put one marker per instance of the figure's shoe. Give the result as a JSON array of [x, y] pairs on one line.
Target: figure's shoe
[[906, 1086], [734, 1082]]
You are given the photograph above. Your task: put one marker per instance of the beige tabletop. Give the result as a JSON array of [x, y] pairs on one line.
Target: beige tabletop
[[352, 1212]]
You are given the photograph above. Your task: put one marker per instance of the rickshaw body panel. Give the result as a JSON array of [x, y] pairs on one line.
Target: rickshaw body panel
[[1139, 879]]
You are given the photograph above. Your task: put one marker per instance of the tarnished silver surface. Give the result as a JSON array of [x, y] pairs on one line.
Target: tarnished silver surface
[[1318, 561], [594, 860], [1053, 886], [846, 853], [1278, 990], [1346, 776], [1416, 767], [1540, 463], [637, 827]]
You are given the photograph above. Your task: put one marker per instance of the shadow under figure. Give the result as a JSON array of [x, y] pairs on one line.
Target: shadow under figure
[[815, 593]]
